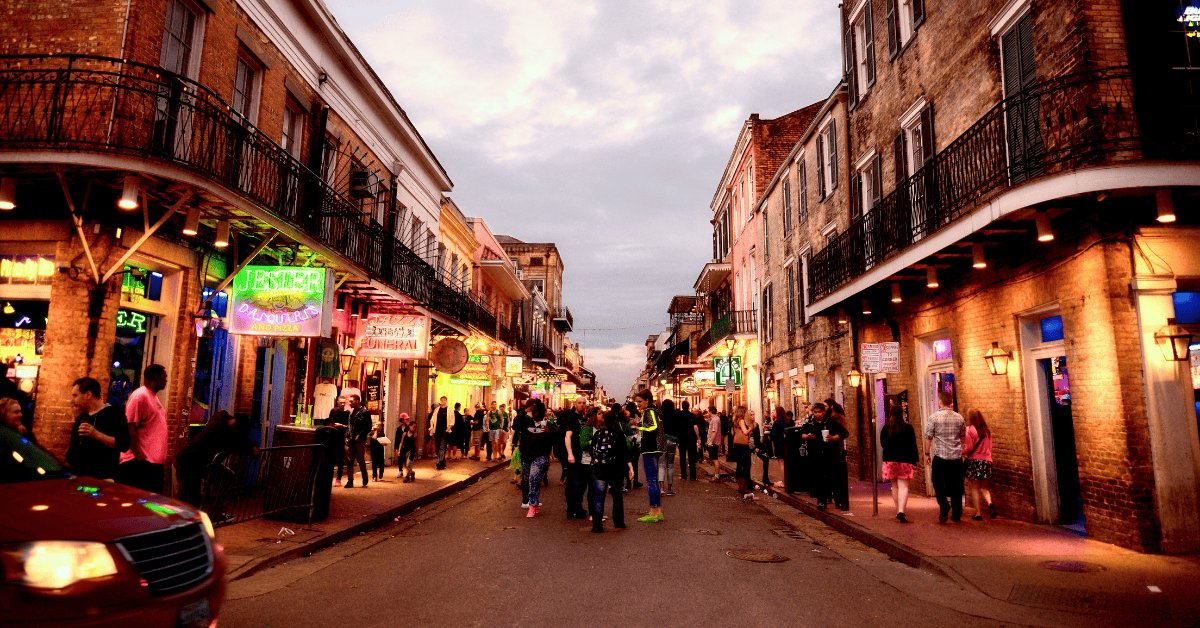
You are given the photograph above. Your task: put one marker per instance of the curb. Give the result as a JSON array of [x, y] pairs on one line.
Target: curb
[[368, 523], [858, 532]]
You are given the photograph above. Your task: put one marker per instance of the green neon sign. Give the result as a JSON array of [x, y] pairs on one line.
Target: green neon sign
[[728, 369], [281, 301], [135, 321]]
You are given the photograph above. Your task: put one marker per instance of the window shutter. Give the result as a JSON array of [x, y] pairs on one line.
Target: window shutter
[[927, 145], [901, 159], [851, 65], [876, 181], [833, 162], [869, 45], [803, 193], [893, 29], [715, 256], [820, 168], [856, 198], [918, 10], [766, 235], [787, 207]]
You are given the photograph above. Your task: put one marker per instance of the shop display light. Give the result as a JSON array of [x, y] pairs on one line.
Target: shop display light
[[1173, 340], [129, 193], [997, 359], [8, 194]]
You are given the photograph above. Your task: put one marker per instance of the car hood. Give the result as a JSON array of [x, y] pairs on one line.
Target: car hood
[[84, 509]]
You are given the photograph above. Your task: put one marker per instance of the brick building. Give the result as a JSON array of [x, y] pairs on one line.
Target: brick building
[[1023, 187]]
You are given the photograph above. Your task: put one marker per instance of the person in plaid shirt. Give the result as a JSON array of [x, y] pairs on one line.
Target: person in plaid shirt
[[944, 431]]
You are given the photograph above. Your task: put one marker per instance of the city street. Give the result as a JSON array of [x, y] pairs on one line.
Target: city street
[[475, 559]]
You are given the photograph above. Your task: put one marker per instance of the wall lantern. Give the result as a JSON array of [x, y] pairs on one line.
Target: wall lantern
[[729, 342], [854, 378], [997, 359], [371, 363], [346, 358], [798, 390], [1173, 340]]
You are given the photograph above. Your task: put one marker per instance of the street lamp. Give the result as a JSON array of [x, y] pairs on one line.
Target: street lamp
[[854, 378], [997, 359], [1173, 340]]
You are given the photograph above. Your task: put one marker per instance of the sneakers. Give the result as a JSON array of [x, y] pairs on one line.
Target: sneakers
[[524, 505], [337, 482], [977, 518], [533, 512], [650, 518], [669, 493]]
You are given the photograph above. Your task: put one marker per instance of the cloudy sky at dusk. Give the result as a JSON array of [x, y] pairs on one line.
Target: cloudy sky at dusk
[[603, 127]]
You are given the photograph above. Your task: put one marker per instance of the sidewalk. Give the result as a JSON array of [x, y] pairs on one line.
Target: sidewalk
[[1011, 561], [258, 543]]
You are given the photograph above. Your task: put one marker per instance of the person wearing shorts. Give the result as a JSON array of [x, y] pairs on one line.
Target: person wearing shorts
[[899, 442], [496, 433]]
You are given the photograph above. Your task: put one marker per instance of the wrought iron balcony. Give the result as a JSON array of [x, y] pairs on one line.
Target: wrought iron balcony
[[539, 351], [563, 319], [1056, 126], [97, 104], [728, 325]]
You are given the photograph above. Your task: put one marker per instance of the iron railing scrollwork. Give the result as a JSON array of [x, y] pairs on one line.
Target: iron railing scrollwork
[[730, 323], [1055, 126]]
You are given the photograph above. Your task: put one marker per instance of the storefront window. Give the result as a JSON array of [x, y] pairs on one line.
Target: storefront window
[[129, 350], [22, 338], [141, 282]]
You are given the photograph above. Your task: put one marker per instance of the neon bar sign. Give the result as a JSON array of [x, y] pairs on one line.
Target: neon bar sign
[[285, 301], [133, 321], [398, 336]]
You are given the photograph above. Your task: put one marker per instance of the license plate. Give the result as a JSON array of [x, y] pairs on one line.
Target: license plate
[[194, 615]]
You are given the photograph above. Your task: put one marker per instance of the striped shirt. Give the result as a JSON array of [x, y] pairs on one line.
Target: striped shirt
[[946, 428]]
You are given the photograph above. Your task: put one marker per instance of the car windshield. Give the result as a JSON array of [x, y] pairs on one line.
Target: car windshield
[[23, 461]]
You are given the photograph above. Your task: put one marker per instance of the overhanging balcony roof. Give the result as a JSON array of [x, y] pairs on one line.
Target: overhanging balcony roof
[[712, 276], [502, 273]]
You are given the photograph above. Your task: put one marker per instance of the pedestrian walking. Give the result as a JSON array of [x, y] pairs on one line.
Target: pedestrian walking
[[739, 451], [142, 465], [537, 440], [944, 431], [689, 437], [406, 447], [339, 419], [99, 434], [977, 454], [356, 440], [376, 440], [496, 431], [654, 442], [594, 422], [611, 466], [460, 433], [899, 443], [441, 422], [714, 440]]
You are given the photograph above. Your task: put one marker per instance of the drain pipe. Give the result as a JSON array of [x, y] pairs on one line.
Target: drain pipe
[[112, 115]]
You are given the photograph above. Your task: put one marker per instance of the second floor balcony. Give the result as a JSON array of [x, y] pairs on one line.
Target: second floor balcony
[[562, 318], [729, 325]]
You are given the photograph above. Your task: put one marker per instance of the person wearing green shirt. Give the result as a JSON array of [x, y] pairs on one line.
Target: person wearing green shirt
[[497, 429]]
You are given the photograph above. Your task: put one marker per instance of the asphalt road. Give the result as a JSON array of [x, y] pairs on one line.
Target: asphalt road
[[474, 559]]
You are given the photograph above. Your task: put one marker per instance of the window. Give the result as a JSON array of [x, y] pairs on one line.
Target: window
[[787, 206], [245, 89], [466, 278], [414, 238], [915, 143], [452, 271], [791, 296], [766, 312], [431, 244], [721, 235], [865, 185], [903, 19], [535, 261], [805, 285], [329, 160], [766, 221], [293, 128], [830, 231], [860, 51], [1025, 148], [802, 192], [539, 285], [827, 159], [179, 37]]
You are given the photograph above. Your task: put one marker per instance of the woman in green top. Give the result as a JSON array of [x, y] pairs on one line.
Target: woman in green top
[[497, 429]]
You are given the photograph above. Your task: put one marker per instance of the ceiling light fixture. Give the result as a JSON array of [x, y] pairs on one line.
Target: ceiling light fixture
[[222, 240], [1045, 233], [192, 225], [977, 259], [8, 194], [129, 192]]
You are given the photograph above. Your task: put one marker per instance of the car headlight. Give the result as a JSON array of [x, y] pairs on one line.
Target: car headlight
[[208, 526], [56, 564]]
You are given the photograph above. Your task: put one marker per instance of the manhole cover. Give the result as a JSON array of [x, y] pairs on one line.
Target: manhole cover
[[1075, 566], [699, 531], [756, 556]]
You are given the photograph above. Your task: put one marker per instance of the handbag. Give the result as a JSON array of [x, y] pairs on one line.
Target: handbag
[[384, 440], [739, 438]]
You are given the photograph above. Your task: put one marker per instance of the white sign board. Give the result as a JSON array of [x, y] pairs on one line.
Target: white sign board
[[879, 357], [890, 356]]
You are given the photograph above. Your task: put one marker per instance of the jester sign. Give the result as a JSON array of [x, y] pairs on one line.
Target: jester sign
[[286, 301]]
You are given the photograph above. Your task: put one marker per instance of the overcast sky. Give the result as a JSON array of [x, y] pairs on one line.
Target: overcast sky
[[603, 127]]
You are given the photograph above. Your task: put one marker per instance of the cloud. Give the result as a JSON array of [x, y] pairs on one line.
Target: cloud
[[616, 368]]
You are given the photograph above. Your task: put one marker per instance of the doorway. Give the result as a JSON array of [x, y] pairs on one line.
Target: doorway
[[1057, 387]]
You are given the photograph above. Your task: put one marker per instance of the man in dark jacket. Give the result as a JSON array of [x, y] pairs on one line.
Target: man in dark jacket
[[571, 424], [99, 434], [220, 434], [688, 436], [356, 440]]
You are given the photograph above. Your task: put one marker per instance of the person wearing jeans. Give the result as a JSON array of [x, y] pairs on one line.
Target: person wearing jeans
[[536, 436], [440, 424], [944, 431], [654, 442]]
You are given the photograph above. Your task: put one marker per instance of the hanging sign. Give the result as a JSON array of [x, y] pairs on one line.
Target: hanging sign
[[729, 370], [568, 388], [688, 386], [398, 336], [290, 301], [513, 365]]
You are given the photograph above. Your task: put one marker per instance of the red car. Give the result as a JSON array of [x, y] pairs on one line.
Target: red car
[[86, 552]]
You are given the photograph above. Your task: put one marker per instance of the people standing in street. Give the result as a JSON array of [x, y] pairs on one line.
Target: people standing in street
[[977, 454], [440, 424], [571, 425], [99, 434], [536, 442], [899, 443], [356, 440], [611, 466], [739, 451], [810, 448], [478, 418], [406, 447], [377, 461], [654, 442], [833, 460], [944, 431], [714, 443], [339, 419], [634, 447], [689, 436], [496, 431], [142, 465], [460, 433], [515, 463], [666, 466]]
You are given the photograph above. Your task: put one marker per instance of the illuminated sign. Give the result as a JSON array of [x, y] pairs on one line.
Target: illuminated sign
[[479, 359], [282, 301], [568, 388], [729, 369], [26, 268], [131, 321], [688, 386], [1190, 16], [400, 336], [470, 382], [513, 366]]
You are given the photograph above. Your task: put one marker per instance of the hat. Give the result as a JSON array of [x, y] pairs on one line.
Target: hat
[[404, 415]]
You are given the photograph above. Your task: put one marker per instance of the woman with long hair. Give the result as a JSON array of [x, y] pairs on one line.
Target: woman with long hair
[[977, 452], [739, 454], [899, 443]]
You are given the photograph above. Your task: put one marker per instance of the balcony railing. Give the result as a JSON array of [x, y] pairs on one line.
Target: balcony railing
[[562, 317], [1056, 126], [540, 351], [730, 323], [107, 105]]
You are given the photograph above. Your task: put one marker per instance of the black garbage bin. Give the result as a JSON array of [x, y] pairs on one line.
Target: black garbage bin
[[333, 441], [795, 465], [288, 474]]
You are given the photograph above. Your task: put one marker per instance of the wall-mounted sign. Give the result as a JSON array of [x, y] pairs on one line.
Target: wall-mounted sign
[[26, 269], [879, 357], [282, 301], [728, 370], [134, 322], [688, 386], [513, 365], [568, 388], [470, 382], [476, 358], [398, 336]]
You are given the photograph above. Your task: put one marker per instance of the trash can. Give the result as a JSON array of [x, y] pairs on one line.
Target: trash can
[[795, 465], [322, 476], [332, 439]]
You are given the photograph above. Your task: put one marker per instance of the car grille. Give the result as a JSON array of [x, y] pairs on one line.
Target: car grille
[[170, 560]]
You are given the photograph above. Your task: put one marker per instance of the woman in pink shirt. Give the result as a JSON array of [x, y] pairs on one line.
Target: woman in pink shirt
[[977, 452]]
